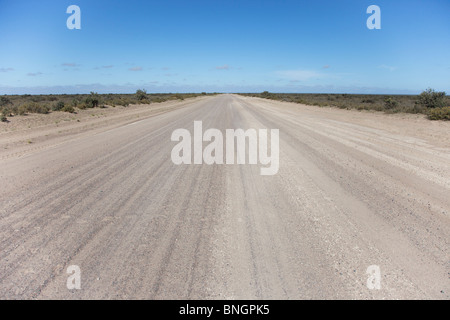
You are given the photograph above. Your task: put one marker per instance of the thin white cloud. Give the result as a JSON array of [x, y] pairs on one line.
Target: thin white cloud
[[34, 74], [390, 68], [6, 69], [104, 67], [136, 69], [70, 64], [224, 67]]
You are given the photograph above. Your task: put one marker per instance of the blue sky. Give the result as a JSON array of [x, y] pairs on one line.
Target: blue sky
[[224, 46]]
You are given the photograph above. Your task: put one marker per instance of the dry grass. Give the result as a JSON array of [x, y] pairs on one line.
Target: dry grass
[[18, 105], [385, 103]]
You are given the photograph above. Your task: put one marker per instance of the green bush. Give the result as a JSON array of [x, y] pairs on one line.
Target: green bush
[[268, 95], [390, 103], [92, 101], [69, 109], [178, 96], [431, 99], [120, 102], [439, 113], [4, 114], [40, 98], [75, 103], [7, 111], [4, 101], [158, 100], [21, 110], [33, 107], [141, 95], [58, 106]]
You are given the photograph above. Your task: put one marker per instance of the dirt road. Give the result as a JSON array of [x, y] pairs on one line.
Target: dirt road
[[354, 189]]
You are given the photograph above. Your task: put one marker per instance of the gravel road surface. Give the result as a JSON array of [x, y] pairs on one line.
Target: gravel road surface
[[353, 190]]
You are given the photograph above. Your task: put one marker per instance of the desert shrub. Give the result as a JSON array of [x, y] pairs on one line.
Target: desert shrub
[[115, 102], [431, 99], [38, 98], [21, 110], [141, 95], [4, 101], [69, 109], [41, 109], [378, 108], [121, 102], [92, 101], [417, 109], [158, 100], [439, 113], [5, 112], [361, 107], [75, 103], [176, 96], [33, 107], [58, 106], [390, 103], [386, 103], [38, 108], [266, 94]]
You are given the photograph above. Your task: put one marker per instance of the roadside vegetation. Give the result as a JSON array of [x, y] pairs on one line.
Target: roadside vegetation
[[20, 105], [436, 105]]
